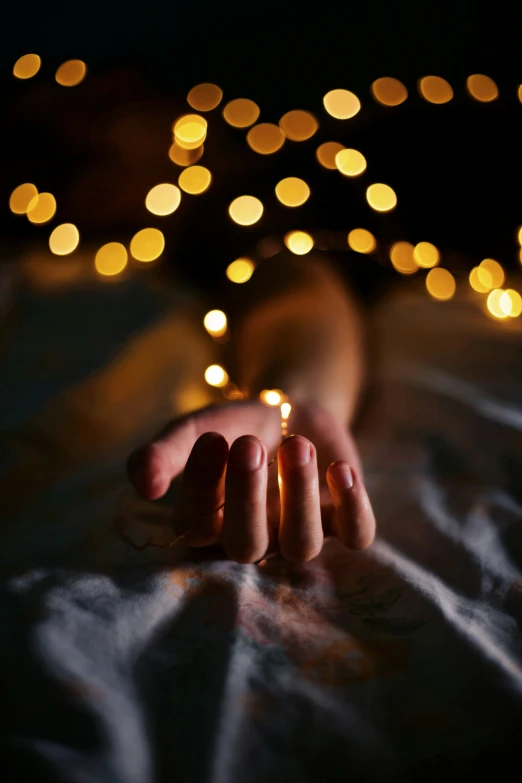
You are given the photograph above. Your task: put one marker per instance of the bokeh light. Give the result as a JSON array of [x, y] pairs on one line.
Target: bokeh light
[[482, 88], [519, 235], [292, 191], [21, 197], [426, 255], [265, 138], [190, 131], [401, 256], [341, 104], [147, 245], [476, 278], [215, 322], [389, 91], [440, 284], [350, 162], [215, 375], [361, 240], [435, 89], [298, 125], [111, 259], [326, 154], [511, 303], [245, 210], [491, 273], [163, 199], [381, 197], [205, 97], [64, 239], [241, 112], [493, 303], [71, 73], [519, 93], [271, 396], [299, 242], [240, 270], [27, 66], [183, 157], [195, 180], [41, 208]]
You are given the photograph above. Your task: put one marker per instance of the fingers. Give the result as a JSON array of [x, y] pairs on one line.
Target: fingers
[[245, 532], [202, 491], [300, 530], [353, 520]]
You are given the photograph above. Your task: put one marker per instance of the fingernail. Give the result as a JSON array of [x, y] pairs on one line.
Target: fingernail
[[342, 476], [209, 449], [295, 451], [246, 454]]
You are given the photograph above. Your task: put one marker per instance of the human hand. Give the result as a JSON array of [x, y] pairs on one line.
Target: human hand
[[320, 491]]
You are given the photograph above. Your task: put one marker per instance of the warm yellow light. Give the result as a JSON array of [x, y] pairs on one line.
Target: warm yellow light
[[299, 242], [286, 409], [111, 259], [381, 197], [205, 97], [511, 303], [27, 66], [41, 208], [190, 131], [389, 91], [478, 282], [519, 93], [341, 104], [240, 270], [163, 199], [21, 197], [195, 180], [361, 240], [147, 245], [350, 162], [241, 112], [493, 303], [271, 396], [482, 88], [183, 157], [440, 284], [494, 270], [519, 235], [245, 210], [326, 154], [401, 256], [215, 322], [64, 239], [426, 255], [265, 138], [292, 191], [216, 376], [435, 89], [298, 125], [71, 73]]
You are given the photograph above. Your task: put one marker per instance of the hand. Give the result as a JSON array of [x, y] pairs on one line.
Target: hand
[[321, 489]]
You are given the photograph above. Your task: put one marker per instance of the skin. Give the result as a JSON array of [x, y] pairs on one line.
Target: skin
[[307, 341]]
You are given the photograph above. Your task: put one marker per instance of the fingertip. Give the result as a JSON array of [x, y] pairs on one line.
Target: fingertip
[[148, 472], [354, 520]]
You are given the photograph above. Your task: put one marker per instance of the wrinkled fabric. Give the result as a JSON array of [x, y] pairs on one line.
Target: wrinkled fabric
[[403, 662]]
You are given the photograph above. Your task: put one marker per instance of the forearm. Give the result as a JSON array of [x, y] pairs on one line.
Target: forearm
[[305, 339]]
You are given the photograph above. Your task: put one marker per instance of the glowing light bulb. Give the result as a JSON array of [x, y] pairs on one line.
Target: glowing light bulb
[[245, 210], [183, 157], [147, 245], [292, 191], [216, 376], [361, 240], [64, 239], [41, 208], [240, 270], [381, 197], [190, 131], [27, 66], [389, 91], [435, 89], [426, 255], [111, 259], [271, 397], [482, 88], [215, 322], [265, 138], [341, 104], [493, 303], [286, 409], [21, 197], [241, 112], [491, 273], [326, 154], [511, 303], [298, 125], [205, 97], [71, 73], [401, 256], [475, 280], [440, 284], [350, 162], [195, 180], [299, 242], [163, 199]]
